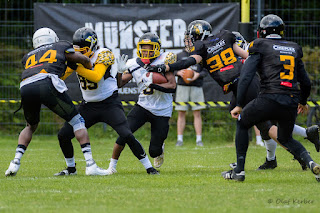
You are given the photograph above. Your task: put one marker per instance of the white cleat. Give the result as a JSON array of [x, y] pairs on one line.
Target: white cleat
[[94, 169], [13, 169], [111, 171], [158, 161]]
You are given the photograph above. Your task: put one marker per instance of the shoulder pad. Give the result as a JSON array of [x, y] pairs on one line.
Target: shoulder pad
[[105, 57], [170, 58]]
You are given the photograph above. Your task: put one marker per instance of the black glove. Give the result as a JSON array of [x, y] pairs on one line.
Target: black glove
[[72, 65], [161, 68]]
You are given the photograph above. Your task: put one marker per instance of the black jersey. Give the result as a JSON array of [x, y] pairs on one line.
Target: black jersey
[[279, 65], [218, 56], [46, 59]]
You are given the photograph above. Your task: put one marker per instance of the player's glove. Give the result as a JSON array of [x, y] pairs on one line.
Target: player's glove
[[121, 63], [161, 68], [147, 80]]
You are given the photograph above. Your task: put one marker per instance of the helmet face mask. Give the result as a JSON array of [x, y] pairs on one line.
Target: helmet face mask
[[148, 47], [271, 26], [85, 40], [198, 30], [44, 36]]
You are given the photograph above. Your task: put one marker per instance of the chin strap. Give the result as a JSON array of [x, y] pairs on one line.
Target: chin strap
[[146, 61]]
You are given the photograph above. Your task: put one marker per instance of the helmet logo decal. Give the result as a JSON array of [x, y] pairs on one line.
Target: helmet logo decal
[[91, 39]]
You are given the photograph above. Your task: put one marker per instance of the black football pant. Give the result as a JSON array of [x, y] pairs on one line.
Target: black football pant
[[109, 111], [43, 92], [138, 116], [252, 93], [263, 109]]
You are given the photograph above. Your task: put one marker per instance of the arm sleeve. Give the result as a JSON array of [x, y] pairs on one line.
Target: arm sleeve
[[305, 84], [182, 64], [162, 89], [94, 75], [248, 72]]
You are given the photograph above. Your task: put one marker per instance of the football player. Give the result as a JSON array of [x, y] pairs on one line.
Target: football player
[[310, 133], [155, 100], [101, 102], [280, 67], [41, 84]]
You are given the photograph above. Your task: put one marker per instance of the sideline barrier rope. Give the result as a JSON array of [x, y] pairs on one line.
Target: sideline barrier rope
[[207, 103]]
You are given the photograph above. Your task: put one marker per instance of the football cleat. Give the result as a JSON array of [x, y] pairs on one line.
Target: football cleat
[[153, 171], [111, 171], [233, 165], [232, 175], [317, 178], [313, 136], [67, 171], [93, 169], [158, 161], [199, 143], [315, 168], [179, 143], [268, 164], [13, 168]]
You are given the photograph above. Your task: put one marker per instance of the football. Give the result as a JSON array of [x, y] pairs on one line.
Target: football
[[187, 75], [158, 78]]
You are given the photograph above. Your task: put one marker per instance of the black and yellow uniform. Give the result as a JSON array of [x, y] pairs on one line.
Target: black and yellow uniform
[[47, 59], [281, 68]]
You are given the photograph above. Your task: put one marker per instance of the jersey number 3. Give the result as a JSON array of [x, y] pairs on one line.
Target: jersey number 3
[[290, 67]]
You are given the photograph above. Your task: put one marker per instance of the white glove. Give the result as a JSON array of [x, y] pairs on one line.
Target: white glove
[[147, 80], [121, 63]]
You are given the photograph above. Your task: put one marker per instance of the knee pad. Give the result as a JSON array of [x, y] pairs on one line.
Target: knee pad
[[264, 129], [155, 151], [77, 123]]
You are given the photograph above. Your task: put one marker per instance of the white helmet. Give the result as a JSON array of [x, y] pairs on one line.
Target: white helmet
[[44, 36]]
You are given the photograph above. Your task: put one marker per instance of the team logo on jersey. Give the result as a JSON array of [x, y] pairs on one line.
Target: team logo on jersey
[[283, 48], [217, 46]]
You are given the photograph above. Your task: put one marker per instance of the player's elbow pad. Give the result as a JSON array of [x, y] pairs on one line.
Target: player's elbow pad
[[182, 64]]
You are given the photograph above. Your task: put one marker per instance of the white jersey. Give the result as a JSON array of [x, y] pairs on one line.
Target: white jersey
[[95, 92], [156, 102]]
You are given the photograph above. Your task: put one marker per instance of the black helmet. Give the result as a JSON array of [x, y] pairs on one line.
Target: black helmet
[[240, 41], [198, 30], [85, 40], [271, 25], [149, 39]]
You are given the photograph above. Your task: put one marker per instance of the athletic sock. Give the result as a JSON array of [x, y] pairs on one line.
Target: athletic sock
[[305, 156], [113, 163], [298, 130], [240, 163], [199, 138], [86, 149], [180, 137], [146, 162], [258, 139], [271, 146], [19, 153], [70, 162]]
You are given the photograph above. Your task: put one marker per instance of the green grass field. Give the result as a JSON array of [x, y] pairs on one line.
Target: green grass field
[[190, 181]]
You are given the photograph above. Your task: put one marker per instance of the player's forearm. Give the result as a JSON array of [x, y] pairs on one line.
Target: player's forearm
[[92, 75], [248, 72], [182, 64]]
